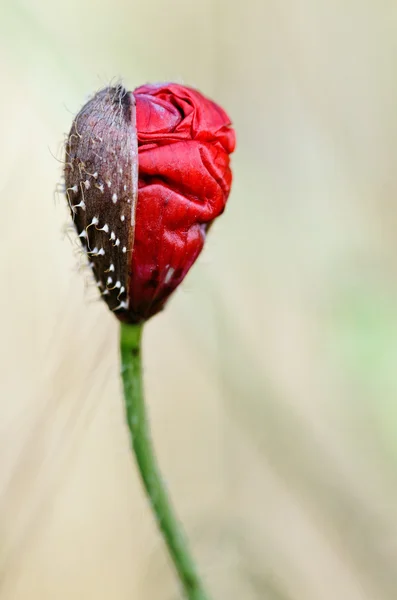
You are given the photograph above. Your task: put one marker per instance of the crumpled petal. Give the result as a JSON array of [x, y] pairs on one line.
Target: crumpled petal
[[184, 142]]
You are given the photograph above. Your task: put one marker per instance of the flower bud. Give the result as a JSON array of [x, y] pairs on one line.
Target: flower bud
[[146, 173]]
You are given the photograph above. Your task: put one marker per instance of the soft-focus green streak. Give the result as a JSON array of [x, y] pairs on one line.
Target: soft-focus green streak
[[131, 372]]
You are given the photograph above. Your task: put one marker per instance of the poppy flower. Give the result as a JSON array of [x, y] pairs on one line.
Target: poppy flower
[[146, 174]]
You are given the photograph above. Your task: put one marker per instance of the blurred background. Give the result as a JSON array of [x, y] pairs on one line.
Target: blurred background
[[271, 376]]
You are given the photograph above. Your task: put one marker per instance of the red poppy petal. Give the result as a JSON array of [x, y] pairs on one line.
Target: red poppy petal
[[184, 142]]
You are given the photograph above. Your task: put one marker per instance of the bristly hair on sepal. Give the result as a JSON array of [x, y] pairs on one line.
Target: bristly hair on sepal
[[101, 180]]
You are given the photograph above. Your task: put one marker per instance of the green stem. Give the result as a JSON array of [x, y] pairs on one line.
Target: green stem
[[131, 372]]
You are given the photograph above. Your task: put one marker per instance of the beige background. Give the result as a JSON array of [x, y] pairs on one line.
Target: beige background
[[271, 376]]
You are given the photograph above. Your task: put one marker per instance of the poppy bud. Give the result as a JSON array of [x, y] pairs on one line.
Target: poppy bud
[[146, 174]]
